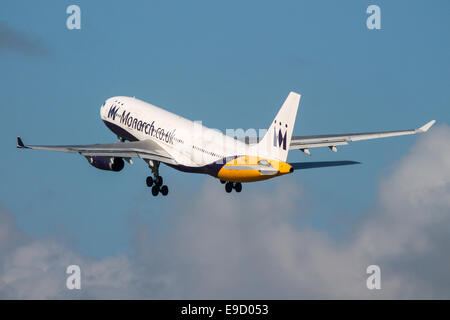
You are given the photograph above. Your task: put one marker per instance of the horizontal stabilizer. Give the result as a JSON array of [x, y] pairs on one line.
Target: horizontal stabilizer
[[320, 164]]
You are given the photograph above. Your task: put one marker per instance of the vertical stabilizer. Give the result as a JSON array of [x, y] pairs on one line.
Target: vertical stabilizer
[[275, 143]]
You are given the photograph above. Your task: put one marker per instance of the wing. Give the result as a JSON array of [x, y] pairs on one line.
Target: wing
[[306, 142], [145, 149]]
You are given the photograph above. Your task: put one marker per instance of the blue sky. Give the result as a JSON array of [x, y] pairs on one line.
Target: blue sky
[[230, 64]]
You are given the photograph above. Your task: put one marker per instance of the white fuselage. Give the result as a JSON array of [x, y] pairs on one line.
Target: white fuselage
[[190, 143]]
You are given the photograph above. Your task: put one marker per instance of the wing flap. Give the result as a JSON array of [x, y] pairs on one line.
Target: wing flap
[[307, 145]]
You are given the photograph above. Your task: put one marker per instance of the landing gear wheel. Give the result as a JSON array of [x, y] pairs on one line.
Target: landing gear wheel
[[149, 181], [164, 190], [222, 182], [158, 181], [155, 190], [238, 187], [228, 187]]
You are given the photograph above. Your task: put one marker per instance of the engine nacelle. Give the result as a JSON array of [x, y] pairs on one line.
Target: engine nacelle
[[106, 163]]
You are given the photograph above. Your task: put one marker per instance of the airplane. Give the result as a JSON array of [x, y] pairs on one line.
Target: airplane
[[159, 136]]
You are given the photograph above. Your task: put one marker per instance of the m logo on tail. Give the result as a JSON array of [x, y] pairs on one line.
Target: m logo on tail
[[279, 140]]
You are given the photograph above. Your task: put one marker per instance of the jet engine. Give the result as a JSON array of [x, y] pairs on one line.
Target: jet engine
[[106, 163]]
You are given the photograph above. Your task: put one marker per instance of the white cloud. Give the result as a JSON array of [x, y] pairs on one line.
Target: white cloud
[[252, 247]]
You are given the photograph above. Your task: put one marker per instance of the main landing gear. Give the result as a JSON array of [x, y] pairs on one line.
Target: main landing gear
[[229, 186], [156, 182]]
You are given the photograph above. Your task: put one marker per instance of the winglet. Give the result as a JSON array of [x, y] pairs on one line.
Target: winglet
[[20, 143], [425, 127]]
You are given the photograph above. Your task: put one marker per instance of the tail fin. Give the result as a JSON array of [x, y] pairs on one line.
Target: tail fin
[[278, 138]]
